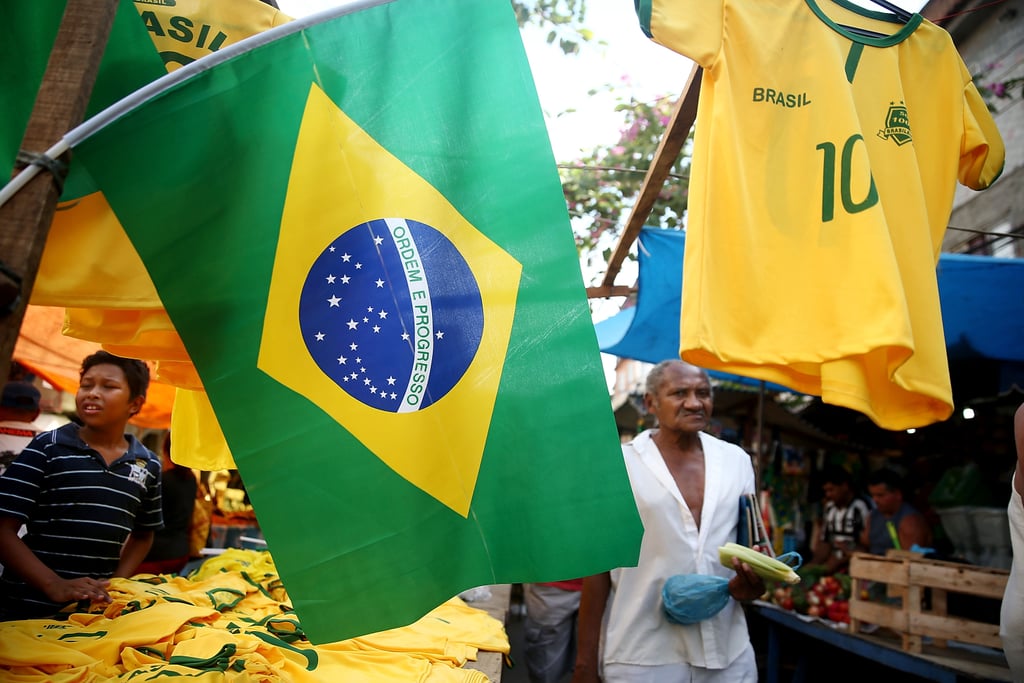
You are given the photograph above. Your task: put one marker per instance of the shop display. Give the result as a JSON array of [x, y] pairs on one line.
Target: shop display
[[232, 617], [906, 578], [816, 595], [833, 113]]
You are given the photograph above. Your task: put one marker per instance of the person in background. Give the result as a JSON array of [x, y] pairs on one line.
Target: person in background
[[109, 479], [550, 628], [894, 523], [687, 485], [19, 407], [1011, 616], [844, 520], [170, 550]]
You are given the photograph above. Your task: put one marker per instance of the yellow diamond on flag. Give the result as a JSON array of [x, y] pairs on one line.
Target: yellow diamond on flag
[[387, 308]]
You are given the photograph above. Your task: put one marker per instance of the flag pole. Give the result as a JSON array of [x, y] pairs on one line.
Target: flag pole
[[678, 129], [60, 105]]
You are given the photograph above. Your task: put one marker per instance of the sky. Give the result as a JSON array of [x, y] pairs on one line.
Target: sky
[[620, 54]]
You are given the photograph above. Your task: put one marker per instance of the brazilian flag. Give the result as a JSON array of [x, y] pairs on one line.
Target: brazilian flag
[[355, 224], [27, 35]]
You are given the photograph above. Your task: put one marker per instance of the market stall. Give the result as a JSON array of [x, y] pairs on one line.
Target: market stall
[[495, 601], [903, 612], [800, 643]]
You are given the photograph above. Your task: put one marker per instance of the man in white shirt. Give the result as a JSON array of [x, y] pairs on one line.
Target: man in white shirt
[[19, 407], [687, 485]]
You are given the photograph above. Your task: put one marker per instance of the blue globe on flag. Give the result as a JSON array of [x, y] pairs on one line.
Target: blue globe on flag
[[392, 313]]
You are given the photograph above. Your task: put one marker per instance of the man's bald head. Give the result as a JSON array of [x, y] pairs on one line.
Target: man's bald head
[[657, 374]]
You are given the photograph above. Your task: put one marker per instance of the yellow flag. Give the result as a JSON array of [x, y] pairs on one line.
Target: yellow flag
[[113, 301], [85, 230]]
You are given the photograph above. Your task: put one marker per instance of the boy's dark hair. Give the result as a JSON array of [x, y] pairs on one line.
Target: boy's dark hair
[[836, 475], [136, 372], [890, 478]]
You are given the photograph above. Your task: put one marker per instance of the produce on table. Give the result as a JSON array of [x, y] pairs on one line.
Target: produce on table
[[817, 595], [768, 568]]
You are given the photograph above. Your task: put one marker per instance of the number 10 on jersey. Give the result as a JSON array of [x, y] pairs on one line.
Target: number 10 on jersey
[[845, 180]]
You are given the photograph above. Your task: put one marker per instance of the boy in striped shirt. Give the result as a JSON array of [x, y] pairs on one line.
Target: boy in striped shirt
[[845, 516], [89, 495]]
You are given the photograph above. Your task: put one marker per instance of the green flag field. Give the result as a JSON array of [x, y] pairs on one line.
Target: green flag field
[[356, 226]]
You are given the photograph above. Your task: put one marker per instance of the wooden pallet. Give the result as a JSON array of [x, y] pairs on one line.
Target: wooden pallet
[[906, 575]]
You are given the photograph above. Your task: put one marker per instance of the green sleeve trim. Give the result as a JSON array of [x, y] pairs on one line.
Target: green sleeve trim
[[312, 658], [151, 651], [1001, 169], [153, 675], [94, 634], [221, 605], [181, 601], [257, 585], [218, 662], [643, 13], [285, 629]]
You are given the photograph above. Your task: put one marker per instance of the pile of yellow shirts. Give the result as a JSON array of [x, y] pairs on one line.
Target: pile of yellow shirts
[[231, 621]]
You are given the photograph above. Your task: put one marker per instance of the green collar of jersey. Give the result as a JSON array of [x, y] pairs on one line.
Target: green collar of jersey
[[883, 41]]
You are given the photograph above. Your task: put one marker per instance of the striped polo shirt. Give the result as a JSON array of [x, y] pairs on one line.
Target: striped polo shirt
[[844, 524], [78, 510]]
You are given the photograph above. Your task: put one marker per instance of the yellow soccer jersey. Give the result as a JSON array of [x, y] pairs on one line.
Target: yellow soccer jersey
[[824, 169], [185, 30]]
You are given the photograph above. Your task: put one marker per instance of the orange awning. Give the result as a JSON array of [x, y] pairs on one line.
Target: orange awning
[[43, 349]]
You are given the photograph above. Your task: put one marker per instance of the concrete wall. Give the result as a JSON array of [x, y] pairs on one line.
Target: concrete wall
[[991, 41]]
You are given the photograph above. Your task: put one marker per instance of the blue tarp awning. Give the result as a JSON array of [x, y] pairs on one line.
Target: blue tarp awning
[[982, 300]]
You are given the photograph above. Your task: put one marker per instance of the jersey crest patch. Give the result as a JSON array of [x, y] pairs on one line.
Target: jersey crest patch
[[897, 125]]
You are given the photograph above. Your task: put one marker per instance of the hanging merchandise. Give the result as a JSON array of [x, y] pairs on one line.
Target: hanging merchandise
[[824, 167]]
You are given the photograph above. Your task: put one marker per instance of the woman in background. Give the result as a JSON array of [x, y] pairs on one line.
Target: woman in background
[[170, 551]]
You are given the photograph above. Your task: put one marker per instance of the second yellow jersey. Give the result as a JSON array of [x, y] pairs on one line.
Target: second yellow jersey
[[824, 168]]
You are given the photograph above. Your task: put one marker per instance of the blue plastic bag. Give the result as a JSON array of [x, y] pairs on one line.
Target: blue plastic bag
[[690, 598]]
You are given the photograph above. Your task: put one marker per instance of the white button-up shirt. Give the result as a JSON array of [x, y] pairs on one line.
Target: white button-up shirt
[[637, 630]]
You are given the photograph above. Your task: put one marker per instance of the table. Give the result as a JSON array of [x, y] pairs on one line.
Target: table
[[227, 532], [497, 606], [945, 665]]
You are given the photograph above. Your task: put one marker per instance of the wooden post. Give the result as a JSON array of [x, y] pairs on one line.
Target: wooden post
[[60, 106], [676, 132]]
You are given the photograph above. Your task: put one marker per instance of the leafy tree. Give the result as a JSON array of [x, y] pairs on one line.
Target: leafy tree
[[563, 19], [601, 188]]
